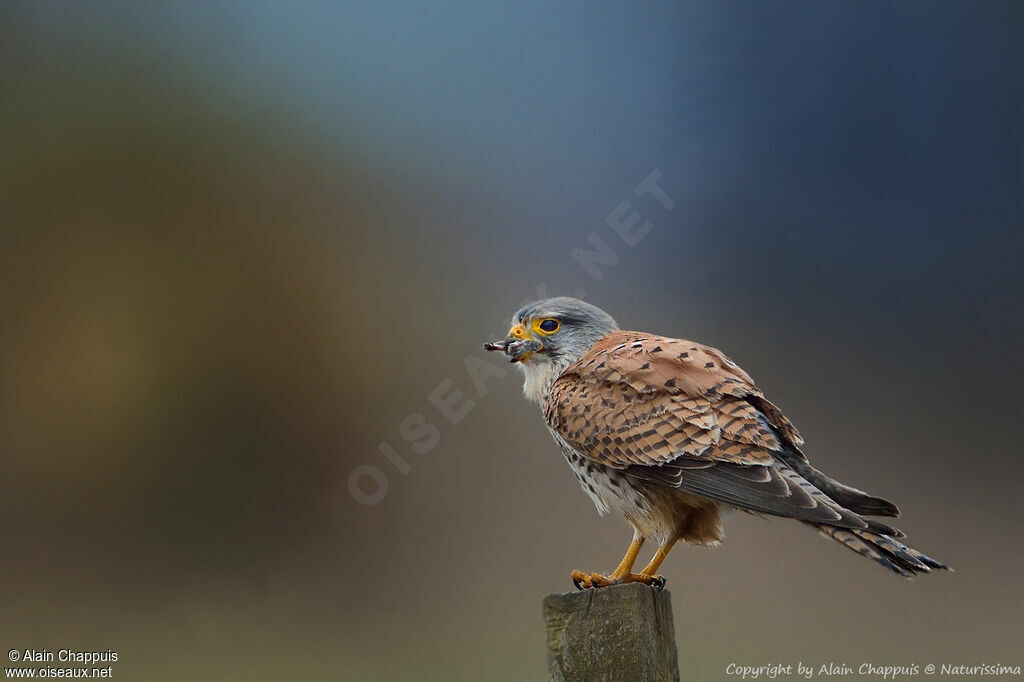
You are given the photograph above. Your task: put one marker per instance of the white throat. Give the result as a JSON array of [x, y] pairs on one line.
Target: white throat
[[538, 377]]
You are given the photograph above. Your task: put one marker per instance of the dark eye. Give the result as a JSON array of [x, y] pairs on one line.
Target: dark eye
[[550, 326]]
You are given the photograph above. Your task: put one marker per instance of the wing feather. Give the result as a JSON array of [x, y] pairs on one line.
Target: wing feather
[[685, 415]]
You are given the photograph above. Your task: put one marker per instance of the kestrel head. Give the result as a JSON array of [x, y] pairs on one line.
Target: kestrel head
[[554, 332]]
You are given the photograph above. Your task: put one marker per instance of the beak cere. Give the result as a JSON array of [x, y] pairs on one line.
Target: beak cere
[[517, 345]]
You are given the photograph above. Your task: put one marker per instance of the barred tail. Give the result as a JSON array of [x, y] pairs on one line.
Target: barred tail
[[883, 549]]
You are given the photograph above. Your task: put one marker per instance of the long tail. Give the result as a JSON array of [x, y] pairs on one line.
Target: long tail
[[883, 549]]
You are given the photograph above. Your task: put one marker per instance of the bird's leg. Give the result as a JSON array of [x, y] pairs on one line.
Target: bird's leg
[[621, 574], [649, 574], [626, 565]]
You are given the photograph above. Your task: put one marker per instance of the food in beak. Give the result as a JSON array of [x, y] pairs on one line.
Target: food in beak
[[515, 349]]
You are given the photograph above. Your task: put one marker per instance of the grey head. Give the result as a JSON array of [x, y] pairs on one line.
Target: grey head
[[549, 335], [558, 330]]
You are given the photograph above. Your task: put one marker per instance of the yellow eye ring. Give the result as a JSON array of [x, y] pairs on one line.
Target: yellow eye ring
[[548, 325]]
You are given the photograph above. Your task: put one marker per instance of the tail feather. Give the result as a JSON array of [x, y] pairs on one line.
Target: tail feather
[[882, 549]]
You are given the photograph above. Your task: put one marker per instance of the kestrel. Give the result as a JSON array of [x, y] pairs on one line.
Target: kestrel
[[670, 433]]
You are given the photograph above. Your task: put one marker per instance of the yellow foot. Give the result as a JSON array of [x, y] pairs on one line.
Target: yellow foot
[[584, 580]]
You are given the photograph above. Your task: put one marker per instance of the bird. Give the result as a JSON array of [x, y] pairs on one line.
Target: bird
[[672, 434]]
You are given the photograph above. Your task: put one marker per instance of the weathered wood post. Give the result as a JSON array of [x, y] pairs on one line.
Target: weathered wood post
[[623, 632]]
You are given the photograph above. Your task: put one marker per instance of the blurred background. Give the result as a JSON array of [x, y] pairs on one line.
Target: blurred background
[[241, 245]]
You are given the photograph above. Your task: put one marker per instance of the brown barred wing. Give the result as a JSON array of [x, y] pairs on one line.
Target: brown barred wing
[[678, 413]]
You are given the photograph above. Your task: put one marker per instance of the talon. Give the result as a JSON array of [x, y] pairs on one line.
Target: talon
[[585, 580], [598, 580], [657, 581]]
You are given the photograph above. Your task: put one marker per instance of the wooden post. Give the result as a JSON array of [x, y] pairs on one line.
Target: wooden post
[[623, 632]]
